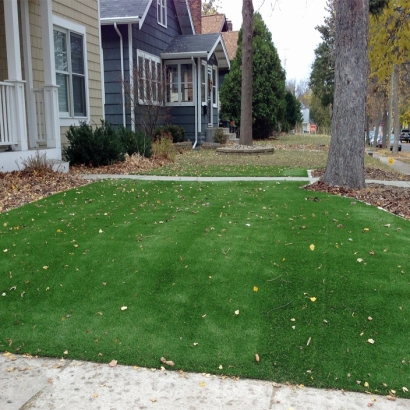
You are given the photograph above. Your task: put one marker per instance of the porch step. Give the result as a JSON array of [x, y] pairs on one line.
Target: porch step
[[59, 165]]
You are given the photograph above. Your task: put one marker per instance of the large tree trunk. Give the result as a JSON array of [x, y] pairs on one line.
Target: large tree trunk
[[345, 165], [395, 110], [246, 96]]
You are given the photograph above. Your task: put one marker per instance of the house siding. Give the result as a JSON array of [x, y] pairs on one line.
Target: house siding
[[3, 55], [85, 12], [151, 38]]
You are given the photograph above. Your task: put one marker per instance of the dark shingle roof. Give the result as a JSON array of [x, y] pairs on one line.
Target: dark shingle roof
[[192, 43], [123, 8]]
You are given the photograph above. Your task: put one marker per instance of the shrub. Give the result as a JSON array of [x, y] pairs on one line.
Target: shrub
[[163, 147], [176, 131], [37, 163], [135, 143], [220, 136], [93, 147]]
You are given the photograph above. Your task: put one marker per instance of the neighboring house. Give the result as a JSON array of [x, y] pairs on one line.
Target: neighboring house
[[218, 23], [156, 38], [50, 75]]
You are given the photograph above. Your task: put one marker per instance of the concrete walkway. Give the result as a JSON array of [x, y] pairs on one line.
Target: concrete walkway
[[44, 383]]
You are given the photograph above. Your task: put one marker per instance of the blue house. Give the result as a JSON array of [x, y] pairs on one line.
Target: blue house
[[154, 56]]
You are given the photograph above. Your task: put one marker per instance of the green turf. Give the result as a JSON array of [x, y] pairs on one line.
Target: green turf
[[183, 257], [228, 170]]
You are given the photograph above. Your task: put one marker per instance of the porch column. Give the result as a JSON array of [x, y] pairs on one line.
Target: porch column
[[50, 95], [19, 127]]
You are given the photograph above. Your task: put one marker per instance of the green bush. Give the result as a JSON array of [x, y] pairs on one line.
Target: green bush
[[135, 142], [176, 131], [220, 136], [93, 147]]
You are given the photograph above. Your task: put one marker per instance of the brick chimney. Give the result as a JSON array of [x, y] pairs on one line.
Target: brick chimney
[[229, 25], [196, 13]]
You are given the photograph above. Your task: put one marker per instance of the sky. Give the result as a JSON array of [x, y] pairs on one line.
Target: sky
[[292, 25]]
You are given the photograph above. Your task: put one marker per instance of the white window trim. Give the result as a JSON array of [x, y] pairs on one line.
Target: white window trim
[[204, 81], [163, 5], [215, 103], [58, 22], [151, 58], [181, 103]]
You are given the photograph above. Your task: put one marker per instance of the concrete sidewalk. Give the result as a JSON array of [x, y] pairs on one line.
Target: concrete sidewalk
[[45, 383]]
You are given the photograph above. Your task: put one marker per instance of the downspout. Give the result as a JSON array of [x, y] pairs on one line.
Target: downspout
[[196, 105], [122, 74], [131, 61]]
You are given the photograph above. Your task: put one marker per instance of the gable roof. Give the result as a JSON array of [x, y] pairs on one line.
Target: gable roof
[[231, 42], [213, 23], [121, 9], [199, 45]]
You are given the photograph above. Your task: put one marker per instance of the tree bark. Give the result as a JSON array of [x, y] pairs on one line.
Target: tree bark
[[345, 166], [395, 111], [247, 77]]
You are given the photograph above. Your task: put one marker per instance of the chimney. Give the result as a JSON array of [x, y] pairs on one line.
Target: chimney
[[229, 25], [196, 13]]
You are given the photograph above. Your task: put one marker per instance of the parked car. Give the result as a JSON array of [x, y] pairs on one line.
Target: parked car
[[405, 135], [379, 143]]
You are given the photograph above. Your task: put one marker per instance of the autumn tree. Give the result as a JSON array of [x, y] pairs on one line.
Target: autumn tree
[[345, 166], [266, 104], [210, 7], [389, 52]]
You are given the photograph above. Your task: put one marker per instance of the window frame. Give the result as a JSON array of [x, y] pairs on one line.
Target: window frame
[[215, 96], [180, 102], [162, 15], [204, 90], [151, 58], [66, 26]]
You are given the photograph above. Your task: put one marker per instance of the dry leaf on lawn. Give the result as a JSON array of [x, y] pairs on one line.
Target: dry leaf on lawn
[[168, 362], [113, 363]]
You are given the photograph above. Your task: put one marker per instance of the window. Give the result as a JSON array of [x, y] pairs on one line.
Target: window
[[162, 12], [70, 72], [149, 72], [180, 84]]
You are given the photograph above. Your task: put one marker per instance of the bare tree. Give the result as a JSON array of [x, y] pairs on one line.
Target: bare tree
[[146, 94], [247, 70]]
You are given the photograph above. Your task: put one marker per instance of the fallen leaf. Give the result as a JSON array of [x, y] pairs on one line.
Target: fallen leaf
[[255, 288], [257, 358], [65, 352], [366, 384], [370, 404], [391, 161], [95, 395], [113, 363], [359, 260], [371, 341], [202, 384], [313, 299], [168, 362], [312, 247], [391, 398], [366, 229], [45, 267], [236, 312], [220, 367], [100, 231], [405, 389], [308, 342], [124, 308], [293, 320], [370, 318], [153, 400]]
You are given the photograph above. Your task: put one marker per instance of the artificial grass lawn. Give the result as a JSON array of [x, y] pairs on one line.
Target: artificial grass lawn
[[183, 257], [189, 169]]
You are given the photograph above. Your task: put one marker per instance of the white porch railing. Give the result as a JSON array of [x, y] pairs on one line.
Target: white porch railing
[[7, 116], [41, 137]]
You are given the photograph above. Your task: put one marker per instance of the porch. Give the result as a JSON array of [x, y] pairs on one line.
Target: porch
[[29, 116]]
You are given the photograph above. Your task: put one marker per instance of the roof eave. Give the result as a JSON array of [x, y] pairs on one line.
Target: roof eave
[[119, 20], [174, 56]]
